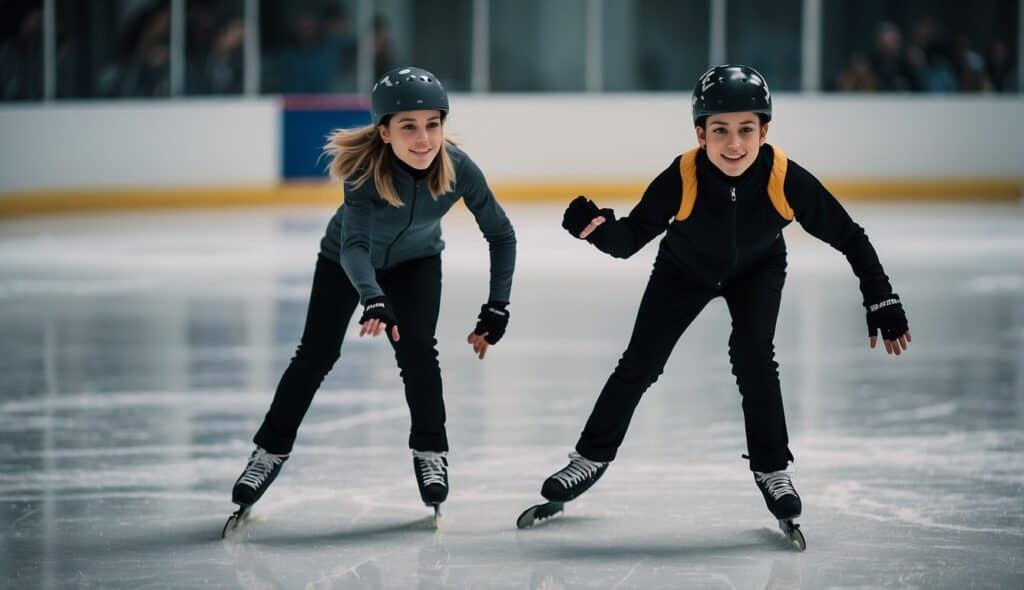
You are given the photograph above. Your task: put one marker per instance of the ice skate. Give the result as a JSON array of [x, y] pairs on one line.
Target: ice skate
[[565, 485], [259, 473], [572, 480], [783, 502], [431, 470]]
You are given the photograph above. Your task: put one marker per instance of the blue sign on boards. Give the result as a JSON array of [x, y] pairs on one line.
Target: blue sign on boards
[[306, 121]]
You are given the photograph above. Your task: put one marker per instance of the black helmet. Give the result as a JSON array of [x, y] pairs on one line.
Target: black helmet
[[407, 89], [731, 89]]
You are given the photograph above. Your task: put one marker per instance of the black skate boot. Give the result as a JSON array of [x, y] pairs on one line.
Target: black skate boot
[[573, 479], [783, 502], [431, 469], [563, 486], [259, 473], [261, 470], [779, 494]]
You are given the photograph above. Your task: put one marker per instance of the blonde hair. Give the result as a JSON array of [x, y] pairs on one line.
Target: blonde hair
[[358, 153]]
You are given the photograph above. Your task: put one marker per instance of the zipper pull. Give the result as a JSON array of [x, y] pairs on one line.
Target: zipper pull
[[732, 193]]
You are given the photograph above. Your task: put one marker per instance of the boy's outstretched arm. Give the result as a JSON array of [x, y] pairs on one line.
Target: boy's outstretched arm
[[623, 237], [825, 218]]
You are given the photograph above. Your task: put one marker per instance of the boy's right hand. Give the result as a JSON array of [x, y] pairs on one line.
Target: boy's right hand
[[582, 217]]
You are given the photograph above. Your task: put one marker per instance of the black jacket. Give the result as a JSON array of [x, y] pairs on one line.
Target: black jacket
[[723, 237]]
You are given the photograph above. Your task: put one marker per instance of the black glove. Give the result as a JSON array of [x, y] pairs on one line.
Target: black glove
[[379, 308], [888, 316], [493, 320], [580, 212]]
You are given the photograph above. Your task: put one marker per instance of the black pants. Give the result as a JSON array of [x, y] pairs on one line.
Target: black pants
[[414, 289], [670, 303]]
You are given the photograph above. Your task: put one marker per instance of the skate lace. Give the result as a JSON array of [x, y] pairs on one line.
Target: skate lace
[[260, 465], [579, 469], [432, 467], [778, 483]]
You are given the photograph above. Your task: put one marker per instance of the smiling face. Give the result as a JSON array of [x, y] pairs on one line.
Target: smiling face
[[732, 140], [415, 136]]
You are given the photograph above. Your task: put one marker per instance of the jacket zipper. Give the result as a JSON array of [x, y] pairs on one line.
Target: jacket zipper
[[735, 216], [412, 211]]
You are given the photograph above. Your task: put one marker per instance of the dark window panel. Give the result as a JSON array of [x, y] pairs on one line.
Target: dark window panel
[[214, 47], [308, 46], [537, 45], [21, 50], [442, 40], [766, 36], [654, 44], [113, 48]]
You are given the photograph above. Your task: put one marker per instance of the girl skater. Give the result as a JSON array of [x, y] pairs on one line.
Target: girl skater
[[724, 206], [382, 249]]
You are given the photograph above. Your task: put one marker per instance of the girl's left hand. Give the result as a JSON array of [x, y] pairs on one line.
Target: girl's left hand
[[479, 342]]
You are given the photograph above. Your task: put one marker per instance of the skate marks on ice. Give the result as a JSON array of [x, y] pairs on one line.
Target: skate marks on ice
[[273, 533], [540, 513], [309, 519]]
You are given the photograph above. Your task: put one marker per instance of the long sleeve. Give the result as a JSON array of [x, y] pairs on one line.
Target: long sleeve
[[356, 232], [625, 236], [494, 225], [824, 218]]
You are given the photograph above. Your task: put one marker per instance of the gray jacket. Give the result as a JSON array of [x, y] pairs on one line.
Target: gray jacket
[[368, 234]]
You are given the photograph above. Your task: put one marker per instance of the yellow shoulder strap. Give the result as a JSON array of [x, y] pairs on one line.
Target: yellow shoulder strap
[[776, 184], [688, 172]]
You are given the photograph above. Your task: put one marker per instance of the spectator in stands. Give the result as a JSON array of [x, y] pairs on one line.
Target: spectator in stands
[[306, 62], [142, 65], [857, 76], [21, 53], [972, 70], [224, 69], [930, 56], [1001, 69], [892, 70], [383, 49], [338, 34]]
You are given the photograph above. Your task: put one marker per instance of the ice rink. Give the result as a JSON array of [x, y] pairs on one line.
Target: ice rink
[[140, 352]]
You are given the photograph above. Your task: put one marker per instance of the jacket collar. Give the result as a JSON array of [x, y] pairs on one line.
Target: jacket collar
[[763, 158], [397, 165]]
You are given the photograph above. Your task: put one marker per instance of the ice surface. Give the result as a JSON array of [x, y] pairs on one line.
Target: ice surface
[[140, 352]]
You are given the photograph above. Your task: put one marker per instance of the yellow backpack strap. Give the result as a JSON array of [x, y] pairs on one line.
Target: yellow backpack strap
[[776, 184], [688, 172]]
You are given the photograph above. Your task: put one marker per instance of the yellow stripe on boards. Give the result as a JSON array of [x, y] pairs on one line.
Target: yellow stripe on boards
[[71, 200]]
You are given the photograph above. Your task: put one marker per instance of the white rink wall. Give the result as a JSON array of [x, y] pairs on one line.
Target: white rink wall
[[168, 144], [515, 138]]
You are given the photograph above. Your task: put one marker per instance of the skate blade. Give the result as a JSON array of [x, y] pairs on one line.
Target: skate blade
[[539, 513], [436, 521], [792, 532], [235, 521]]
